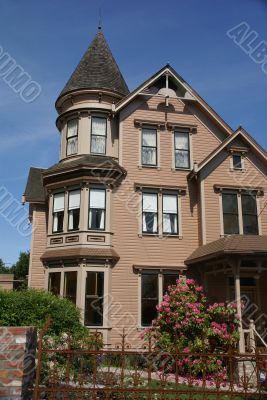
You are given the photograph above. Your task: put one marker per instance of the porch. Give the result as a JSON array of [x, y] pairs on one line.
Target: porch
[[234, 269]]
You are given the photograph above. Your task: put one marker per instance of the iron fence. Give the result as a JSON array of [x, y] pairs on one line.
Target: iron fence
[[90, 370]]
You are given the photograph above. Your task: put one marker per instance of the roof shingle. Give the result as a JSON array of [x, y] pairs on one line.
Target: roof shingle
[[97, 70], [34, 192]]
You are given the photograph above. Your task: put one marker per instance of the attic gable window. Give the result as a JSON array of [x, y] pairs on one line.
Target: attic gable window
[[237, 161], [72, 137], [98, 135], [182, 149], [149, 146]]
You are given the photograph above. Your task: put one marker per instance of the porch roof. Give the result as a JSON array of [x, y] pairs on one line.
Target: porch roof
[[230, 245]]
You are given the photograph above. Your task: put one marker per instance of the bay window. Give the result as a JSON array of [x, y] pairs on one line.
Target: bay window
[[240, 213], [153, 287], [58, 212], [72, 137], [150, 213], [182, 149], [149, 147], [98, 135], [70, 286], [97, 208], [94, 297], [74, 210], [170, 214]]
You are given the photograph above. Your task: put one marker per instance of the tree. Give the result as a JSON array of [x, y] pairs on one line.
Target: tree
[[3, 268], [21, 268]]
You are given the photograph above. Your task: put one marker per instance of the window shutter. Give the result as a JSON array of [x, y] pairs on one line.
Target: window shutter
[[58, 202]]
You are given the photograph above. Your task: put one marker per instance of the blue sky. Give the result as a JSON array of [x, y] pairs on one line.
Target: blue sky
[[47, 38]]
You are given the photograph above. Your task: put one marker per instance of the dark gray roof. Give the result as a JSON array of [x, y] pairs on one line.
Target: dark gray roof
[[97, 70], [232, 244], [34, 192], [87, 160]]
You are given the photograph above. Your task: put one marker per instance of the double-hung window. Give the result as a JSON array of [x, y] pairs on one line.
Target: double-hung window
[[230, 213], [98, 135], [97, 208], [58, 212], [72, 137], [153, 287], [182, 149], [170, 214], [150, 212], [94, 298], [249, 214], [234, 205], [237, 161], [74, 210], [149, 146]]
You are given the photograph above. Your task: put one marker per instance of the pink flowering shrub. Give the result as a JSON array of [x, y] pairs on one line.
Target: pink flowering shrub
[[187, 324]]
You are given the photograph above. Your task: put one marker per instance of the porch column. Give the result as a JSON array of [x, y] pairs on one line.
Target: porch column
[[239, 306]]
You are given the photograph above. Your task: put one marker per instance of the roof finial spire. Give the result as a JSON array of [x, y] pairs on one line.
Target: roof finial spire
[[99, 19]]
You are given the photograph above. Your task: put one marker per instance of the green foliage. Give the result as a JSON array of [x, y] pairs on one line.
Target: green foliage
[[3, 268], [32, 308], [21, 268], [188, 324]]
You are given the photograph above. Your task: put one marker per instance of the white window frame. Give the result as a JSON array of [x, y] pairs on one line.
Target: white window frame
[[232, 168], [160, 290]]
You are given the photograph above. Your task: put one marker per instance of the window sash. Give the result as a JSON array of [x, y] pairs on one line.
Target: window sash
[[58, 220], [149, 146], [230, 215], [58, 202], [72, 128], [237, 161], [94, 298], [98, 135], [74, 210], [70, 286], [182, 149], [150, 212], [249, 214], [97, 209], [149, 298], [72, 137]]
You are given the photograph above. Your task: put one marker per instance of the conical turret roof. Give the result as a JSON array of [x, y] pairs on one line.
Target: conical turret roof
[[97, 70]]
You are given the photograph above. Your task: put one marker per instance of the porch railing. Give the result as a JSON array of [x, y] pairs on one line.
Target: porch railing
[[251, 337]]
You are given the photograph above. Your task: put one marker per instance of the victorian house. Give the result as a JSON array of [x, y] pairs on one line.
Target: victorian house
[[150, 185]]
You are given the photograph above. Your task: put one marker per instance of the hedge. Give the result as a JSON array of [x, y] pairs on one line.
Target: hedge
[[32, 307]]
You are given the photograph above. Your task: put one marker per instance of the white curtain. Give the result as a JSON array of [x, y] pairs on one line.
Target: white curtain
[[149, 143], [99, 126], [72, 128], [72, 146], [98, 144], [74, 204], [150, 209], [182, 140]]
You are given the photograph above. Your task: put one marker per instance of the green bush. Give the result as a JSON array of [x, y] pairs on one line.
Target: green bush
[[32, 307]]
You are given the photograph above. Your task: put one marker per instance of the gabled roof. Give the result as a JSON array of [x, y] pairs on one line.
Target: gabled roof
[[229, 245], [97, 70], [239, 132], [34, 192], [192, 95]]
